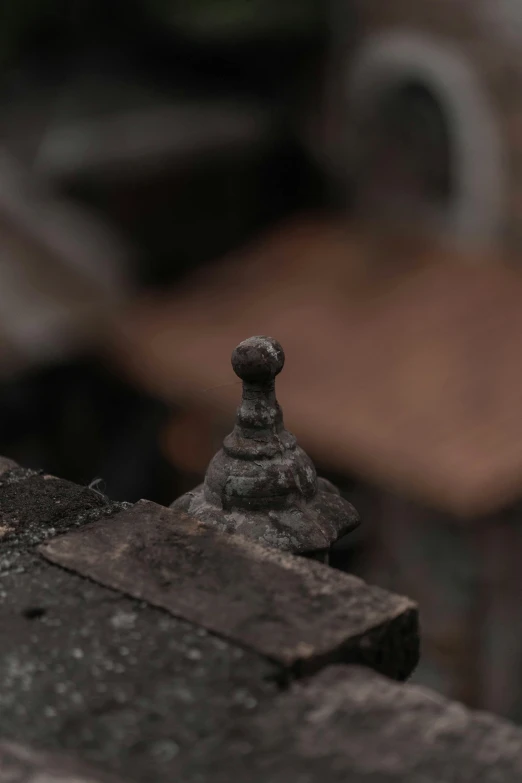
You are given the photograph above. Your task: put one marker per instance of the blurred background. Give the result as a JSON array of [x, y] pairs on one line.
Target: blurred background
[[345, 176]]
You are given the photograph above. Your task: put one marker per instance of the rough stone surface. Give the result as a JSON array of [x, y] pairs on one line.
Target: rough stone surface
[[261, 484], [7, 465], [22, 764], [350, 724], [126, 688], [112, 681], [34, 507], [295, 611]]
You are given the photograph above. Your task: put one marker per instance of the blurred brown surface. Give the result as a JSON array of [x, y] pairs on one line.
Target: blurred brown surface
[[403, 359]]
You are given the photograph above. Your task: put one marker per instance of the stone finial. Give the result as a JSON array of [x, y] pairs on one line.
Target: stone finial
[[261, 484]]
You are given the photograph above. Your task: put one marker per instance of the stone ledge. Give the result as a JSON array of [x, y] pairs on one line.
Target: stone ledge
[[134, 680]]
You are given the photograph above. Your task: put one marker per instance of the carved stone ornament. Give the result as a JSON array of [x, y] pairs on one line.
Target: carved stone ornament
[[261, 484]]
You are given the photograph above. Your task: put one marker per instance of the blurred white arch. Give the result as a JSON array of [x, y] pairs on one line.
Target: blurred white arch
[[388, 60]]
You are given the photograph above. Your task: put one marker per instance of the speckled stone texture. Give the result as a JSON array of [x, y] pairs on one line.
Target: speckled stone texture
[[295, 611], [34, 507], [87, 671], [7, 465], [89, 676], [22, 764], [130, 689], [113, 681], [350, 724]]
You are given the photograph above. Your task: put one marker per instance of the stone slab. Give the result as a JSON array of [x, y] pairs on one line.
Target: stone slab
[[350, 724], [297, 612]]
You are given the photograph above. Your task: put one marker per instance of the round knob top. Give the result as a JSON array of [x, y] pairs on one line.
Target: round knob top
[[258, 359]]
